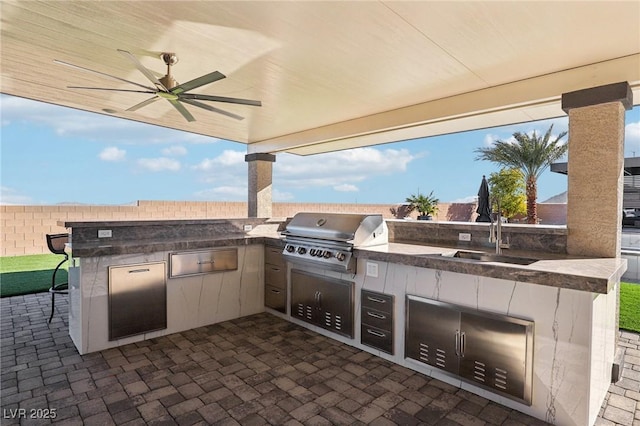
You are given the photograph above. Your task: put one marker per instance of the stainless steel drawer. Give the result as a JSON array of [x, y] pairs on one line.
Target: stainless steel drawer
[[378, 301], [377, 338], [275, 298], [377, 318], [275, 276], [137, 299], [273, 256], [202, 262]]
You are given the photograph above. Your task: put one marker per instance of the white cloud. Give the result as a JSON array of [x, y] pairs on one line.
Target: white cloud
[[159, 164], [230, 158], [632, 139], [90, 126], [632, 132], [282, 196], [339, 168], [346, 187], [175, 150], [11, 196], [227, 158], [112, 153], [224, 193], [489, 139]]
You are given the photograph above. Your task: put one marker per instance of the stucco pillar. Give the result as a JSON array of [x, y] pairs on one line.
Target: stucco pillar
[[260, 178], [595, 168]]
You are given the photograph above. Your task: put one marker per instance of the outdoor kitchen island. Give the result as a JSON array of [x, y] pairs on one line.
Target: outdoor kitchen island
[[571, 303]]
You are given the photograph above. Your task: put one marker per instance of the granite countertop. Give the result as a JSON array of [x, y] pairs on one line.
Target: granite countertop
[[259, 235], [562, 271]]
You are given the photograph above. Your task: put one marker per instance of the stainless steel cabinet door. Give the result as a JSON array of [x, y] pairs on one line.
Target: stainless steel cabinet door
[[335, 305], [432, 330], [137, 299], [323, 301], [496, 353], [303, 296]]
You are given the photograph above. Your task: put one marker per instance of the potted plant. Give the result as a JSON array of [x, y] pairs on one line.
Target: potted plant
[[427, 205]]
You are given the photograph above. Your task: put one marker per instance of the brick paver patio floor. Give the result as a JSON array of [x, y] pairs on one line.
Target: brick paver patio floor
[[251, 371]]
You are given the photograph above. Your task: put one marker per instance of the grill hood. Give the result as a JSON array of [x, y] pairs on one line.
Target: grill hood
[[358, 230]]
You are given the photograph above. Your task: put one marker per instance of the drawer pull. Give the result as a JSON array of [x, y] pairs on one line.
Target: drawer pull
[[275, 291], [375, 315], [136, 271], [376, 333], [375, 299], [275, 269], [206, 262]]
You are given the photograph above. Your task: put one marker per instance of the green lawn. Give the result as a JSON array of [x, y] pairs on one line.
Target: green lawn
[[29, 274], [630, 306]]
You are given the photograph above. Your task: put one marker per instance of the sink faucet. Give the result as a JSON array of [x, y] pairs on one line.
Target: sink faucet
[[495, 233]]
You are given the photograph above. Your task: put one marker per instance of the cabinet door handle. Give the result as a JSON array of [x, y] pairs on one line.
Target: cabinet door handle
[[319, 301], [137, 271], [376, 333], [457, 337], [375, 299], [463, 341], [205, 262], [375, 315]]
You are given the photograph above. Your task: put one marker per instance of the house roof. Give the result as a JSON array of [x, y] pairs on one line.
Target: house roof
[[631, 167], [330, 75]]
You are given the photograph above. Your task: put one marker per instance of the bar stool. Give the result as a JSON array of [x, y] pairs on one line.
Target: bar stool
[[56, 243]]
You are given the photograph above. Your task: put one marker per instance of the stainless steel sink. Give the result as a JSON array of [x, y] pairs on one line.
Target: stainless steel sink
[[488, 257]]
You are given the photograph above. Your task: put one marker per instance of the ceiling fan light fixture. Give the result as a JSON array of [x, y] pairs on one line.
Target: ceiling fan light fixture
[[169, 58]]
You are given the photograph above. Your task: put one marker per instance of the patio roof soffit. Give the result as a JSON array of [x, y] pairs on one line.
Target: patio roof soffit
[[522, 101]]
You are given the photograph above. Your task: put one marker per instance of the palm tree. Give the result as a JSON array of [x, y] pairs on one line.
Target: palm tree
[[532, 155]]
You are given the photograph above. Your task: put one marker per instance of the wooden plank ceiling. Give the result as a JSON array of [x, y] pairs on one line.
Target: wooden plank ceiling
[[330, 75]]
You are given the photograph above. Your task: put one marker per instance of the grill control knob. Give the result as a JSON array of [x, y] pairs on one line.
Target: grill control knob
[[312, 252], [290, 248], [327, 254], [340, 256], [302, 250]]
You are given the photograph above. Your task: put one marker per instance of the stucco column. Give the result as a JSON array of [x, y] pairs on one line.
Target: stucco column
[[595, 168], [260, 178]]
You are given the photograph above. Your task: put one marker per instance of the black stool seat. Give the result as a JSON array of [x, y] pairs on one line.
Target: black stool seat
[[56, 243]]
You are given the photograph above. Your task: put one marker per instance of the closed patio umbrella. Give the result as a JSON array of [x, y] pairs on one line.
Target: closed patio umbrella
[[483, 209]]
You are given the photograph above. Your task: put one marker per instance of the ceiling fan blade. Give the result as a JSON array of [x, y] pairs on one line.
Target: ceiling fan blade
[[143, 104], [197, 82], [195, 96], [143, 70], [102, 74], [213, 109], [182, 110], [112, 90]]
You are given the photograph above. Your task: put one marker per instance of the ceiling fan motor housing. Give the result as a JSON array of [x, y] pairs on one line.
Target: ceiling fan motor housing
[[169, 59], [168, 81]]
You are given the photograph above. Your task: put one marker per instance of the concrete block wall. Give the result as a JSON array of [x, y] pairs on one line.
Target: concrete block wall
[[23, 228]]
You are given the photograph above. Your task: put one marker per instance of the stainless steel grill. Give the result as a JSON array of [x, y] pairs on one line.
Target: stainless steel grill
[[327, 240]]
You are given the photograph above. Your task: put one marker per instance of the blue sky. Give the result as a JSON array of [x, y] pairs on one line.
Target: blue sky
[[51, 154]]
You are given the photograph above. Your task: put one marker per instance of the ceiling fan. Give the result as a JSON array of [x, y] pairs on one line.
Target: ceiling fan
[[168, 88]]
